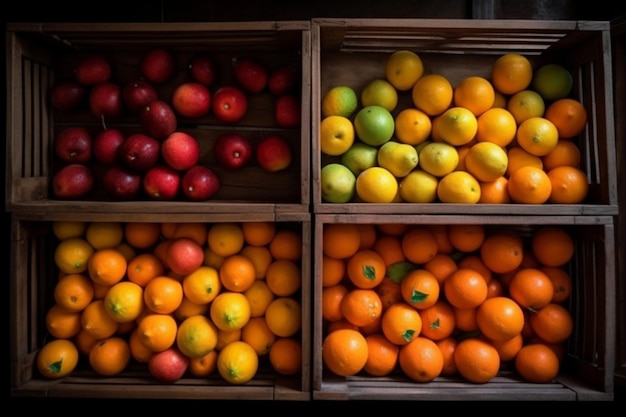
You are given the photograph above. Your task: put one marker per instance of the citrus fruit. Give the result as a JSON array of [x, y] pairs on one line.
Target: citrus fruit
[[500, 318], [96, 320], [142, 235], [502, 252], [438, 158], [259, 296], [107, 266], [283, 277], [418, 186], [361, 306], [474, 93], [284, 316], [438, 321], [72, 255], [511, 73], [345, 352], [537, 135], [204, 365], [531, 288], [379, 92], [144, 267], [286, 244], [552, 246], [486, 161], [456, 126], [285, 356], [196, 336], [258, 233], [476, 360], [465, 288], [421, 360], [163, 294], [552, 323], [552, 81], [398, 158], [420, 289], [518, 157], [382, 356], [529, 185], [526, 104], [419, 245], [124, 301], [110, 356], [202, 285], [226, 238], [57, 358], [230, 311], [376, 185], [459, 187], [340, 240], [62, 324], [157, 332], [237, 273], [102, 235], [537, 363], [569, 117], [374, 125], [340, 100], [64, 229], [257, 334], [337, 183], [336, 135], [565, 153], [412, 126], [403, 68], [73, 292], [496, 125], [237, 362], [260, 256], [432, 94], [401, 323], [360, 156]]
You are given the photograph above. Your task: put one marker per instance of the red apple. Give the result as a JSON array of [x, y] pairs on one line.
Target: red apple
[[67, 95], [203, 69], [73, 182], [121, 183], [180, 151], [200, 183], [232, 150], [157, 65], [73, 145], [282, 80], [105, 100], [168, 365], [158, 119], [138, 94], [139, 152], [273, 153], [184, 255], [106, 146], [92, 70], [250, 73], [161, 182], [191, 100], [230, 104], [287, 111]]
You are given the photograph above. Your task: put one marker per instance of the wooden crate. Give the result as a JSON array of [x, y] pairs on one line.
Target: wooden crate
[[353, 51], [40, 54], [587, 371], [33, 275]]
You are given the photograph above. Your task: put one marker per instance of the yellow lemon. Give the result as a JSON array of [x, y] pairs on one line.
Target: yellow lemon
[[526, 104], [456, 126], [412, 126], [340, 100], [336, 135], [337, 183], [124, 301], [459, 187], [486, 161], [376, 185], [379, 92], [72, 255], [66, 229], [403, 68], [537, 135], [202, 285], [438, 158], [237, 362], [196, 336], [398, 158], [102, 235], [432, 94], [418, 187]]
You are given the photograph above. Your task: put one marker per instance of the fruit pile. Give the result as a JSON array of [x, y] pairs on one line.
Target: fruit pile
[[508, 139], [184, 299], [450, 300], [144, 145]]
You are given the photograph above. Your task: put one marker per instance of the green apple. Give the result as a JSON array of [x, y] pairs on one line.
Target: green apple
[[359, 157], [374, 125], [338, 183]]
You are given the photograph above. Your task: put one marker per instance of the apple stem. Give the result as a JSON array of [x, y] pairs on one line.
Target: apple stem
[[103, 123]]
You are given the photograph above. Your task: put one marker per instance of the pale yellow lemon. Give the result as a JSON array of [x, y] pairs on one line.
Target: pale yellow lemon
[[438, 158], [336, 135], [379, 92], [418, 187]]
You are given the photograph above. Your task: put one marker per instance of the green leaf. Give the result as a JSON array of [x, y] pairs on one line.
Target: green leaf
[[369, 272], [418, 297], [398, 270], [408, 335]]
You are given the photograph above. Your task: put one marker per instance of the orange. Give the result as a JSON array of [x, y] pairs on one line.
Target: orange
[[447, 347], [237, 273], [421, 360], [237, 363], [552, 323], [187, 308], [459, 187], [195, 231], [283, 277], [260, 256], [110, 356], [420, 289], [382, 355], [474, 261], [124, 301], [285, 356], [496, 125], [142, 235], [257, 334], [332, 296], [495, 288], [345, 352], [403, 68], [502, 252], [476, 360], [529, 185], [500, 318], [569, 185], [61, 323], [465, 288], [333, 270], [393, 229], [561, 282], [412, 126], [203, 366], [389, 292], [224, 337], [57, 358], [286, 244], [441, 266], [160, 250], [225, 239], [537, 363], [568, 116], [372, 328], [518, 157], [163, 294], [511, 73], [438, 321], [361, 307], [552, 246], [71, 255], [474, 93], [368, 235], [390, 249], [432, 94], [525, 104], [284, 316], [65, 229], [495, 192], [456, 126], [537, 135], [441, 234], [259, 296], [531, 288], [143, 268], [138, 351], [230, 310], [341, 324], [157, 332], [101, 235], [202, 285], [259, 233], [508, 348], [401, 323], [366, 269], [466, 237], [168, 230], [95, 320], [84, 341], [465, 319], [73, 292], [340, 240], [107, 266], [337, 135], [419, 245], [565, 153]]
